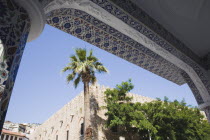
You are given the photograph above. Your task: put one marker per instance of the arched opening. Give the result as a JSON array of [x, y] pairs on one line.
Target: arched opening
[[98, 33]]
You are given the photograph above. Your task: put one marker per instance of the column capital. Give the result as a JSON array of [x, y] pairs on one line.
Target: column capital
[[37, 17]]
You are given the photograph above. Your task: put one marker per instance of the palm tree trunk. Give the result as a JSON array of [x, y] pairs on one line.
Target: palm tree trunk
[[87, 123]]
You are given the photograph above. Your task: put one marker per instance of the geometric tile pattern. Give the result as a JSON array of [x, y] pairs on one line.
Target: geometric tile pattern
[[15, 25], [151, 25], [136, 18], [14, 29], [192, 86], [133, 16], [88, 28]]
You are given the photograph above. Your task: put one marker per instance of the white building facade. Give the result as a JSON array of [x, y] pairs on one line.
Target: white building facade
[[9, 135], [17, 131]]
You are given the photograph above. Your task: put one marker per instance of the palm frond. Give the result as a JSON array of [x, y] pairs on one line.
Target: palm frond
[[70, 77], [84, 67], [77, 80], [79, 68], [91, 52], [93, 78], [101, 69], [91, 66], [81, 54], [74, 64], [92, 58], [67, 68], [73, 58], [98, 64]]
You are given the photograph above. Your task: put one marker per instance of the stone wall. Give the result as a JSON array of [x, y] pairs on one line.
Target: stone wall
[[70, 117]]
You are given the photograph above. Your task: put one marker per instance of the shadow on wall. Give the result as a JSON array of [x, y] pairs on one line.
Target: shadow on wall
[[98, 124]]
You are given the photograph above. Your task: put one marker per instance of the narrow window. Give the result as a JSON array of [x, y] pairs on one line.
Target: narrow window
[[2, 137], [15, 138], [67, 135], [56, 137], [11, 137], [7, 137], [20, 139], [82, 129]]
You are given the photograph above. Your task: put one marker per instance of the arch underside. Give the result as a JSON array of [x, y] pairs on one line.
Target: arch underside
[[163, 54], [194, 68], [95, 32]]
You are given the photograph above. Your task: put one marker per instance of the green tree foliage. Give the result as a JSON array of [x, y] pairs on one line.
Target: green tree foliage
[[125, 115], [158, 120], [176, 121]]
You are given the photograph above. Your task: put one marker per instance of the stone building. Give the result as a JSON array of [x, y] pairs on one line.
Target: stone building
[[26, 128], [67, 123], [9, 135], [17, 131]]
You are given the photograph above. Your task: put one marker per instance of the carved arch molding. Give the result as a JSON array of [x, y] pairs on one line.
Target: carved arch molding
[[150, 47]]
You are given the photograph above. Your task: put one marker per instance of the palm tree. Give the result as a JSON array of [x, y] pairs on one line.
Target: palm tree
[[83, 68]]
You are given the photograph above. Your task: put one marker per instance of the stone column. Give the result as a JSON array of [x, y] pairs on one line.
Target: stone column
[[15, 24]]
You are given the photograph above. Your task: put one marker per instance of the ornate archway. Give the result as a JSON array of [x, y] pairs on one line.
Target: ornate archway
[[119, 27]]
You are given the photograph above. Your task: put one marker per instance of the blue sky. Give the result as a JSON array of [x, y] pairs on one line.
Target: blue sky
[[41, 89]]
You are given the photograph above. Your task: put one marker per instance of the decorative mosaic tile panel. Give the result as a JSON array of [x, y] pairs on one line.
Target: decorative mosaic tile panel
[[88, 28], [14, 28], [192, 86], [130, 10], [129, 13]]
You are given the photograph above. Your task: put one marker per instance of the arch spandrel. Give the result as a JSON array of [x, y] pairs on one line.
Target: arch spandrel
[[161, 41], [88, 28], [143, 29]]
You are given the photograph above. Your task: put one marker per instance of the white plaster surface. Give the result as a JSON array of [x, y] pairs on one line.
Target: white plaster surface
[[37, 17]]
